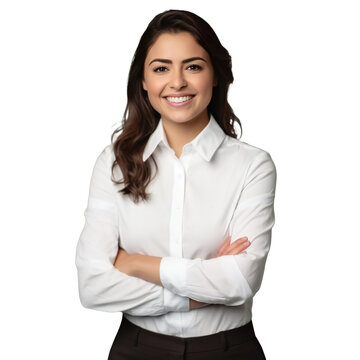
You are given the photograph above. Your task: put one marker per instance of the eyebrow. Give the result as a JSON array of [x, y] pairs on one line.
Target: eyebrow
[[167, 61]]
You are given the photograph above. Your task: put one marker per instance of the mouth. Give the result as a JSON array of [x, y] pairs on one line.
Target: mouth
[[179, 100]]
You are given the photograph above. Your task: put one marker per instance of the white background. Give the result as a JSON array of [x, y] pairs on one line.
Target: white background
[[63, 73]]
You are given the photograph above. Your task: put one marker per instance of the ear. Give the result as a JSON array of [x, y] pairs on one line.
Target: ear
[[144, 85]]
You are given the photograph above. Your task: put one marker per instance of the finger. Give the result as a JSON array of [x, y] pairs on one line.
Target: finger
[[228, 246], [244, 238], [224, 246], [236, 252], [239, 242], [238, 248]]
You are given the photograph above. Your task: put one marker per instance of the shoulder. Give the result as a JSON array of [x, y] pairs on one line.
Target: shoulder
[[106, 155], [259, 167], [246, 152], [105, 160]]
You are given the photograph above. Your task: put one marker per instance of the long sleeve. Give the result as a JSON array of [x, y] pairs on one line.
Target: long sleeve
[[232, 279], [102, 286]]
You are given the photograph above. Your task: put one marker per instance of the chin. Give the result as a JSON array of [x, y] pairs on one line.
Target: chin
[[180, 118]]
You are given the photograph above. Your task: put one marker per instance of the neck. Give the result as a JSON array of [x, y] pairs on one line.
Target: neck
[[179, 134]]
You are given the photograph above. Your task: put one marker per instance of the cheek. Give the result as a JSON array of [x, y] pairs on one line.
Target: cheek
[[206, 87], [154, 90], [153, 95]]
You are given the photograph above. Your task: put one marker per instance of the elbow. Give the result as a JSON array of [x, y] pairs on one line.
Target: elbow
[[93, 301], [87, 300], [238, 288], [91, 290], [239, 298]]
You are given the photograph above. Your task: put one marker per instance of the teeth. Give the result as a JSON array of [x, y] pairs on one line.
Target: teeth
[[178, 99]]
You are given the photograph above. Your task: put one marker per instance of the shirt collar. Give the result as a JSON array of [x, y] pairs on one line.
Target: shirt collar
[[205, 143]]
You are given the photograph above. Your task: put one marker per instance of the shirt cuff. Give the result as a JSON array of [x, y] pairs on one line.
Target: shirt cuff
[[173, 273], [174, 302]]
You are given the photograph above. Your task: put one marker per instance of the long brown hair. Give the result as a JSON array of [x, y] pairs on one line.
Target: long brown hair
[[140, 119]]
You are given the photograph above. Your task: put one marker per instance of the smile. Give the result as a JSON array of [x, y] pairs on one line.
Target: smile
[[179, 100]]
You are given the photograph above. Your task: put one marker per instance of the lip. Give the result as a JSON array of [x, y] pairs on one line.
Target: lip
[[179, 104], [178, 95]]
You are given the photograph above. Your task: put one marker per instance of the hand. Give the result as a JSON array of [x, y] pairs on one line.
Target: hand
[[197, 304], [237, 247], [123, 262]]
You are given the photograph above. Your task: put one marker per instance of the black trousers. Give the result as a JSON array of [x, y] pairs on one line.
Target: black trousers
[[135, 343]]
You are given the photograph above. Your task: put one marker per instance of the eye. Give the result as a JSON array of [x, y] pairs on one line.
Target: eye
[[194, 67], [160, 69]]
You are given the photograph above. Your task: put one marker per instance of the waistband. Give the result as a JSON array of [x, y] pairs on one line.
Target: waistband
[[220, 340]]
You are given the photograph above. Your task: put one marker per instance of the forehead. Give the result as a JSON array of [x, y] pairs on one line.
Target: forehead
[[176, 46]]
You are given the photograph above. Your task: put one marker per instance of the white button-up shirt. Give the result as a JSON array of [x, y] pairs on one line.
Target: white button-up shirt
[[219, 186]]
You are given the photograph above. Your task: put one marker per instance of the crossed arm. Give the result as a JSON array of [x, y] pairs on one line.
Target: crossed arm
[[229, 280], [111, 280], [148, 267]]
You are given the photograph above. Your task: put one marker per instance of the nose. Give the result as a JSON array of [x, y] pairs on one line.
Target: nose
[[178, 80]]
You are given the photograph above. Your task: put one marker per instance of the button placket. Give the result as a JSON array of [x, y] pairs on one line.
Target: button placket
[[177, 210]]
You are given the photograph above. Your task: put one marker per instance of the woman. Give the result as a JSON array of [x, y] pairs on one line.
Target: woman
[[168, 247]]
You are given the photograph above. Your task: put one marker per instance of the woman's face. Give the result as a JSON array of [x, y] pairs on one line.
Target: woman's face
[[178, 78]]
